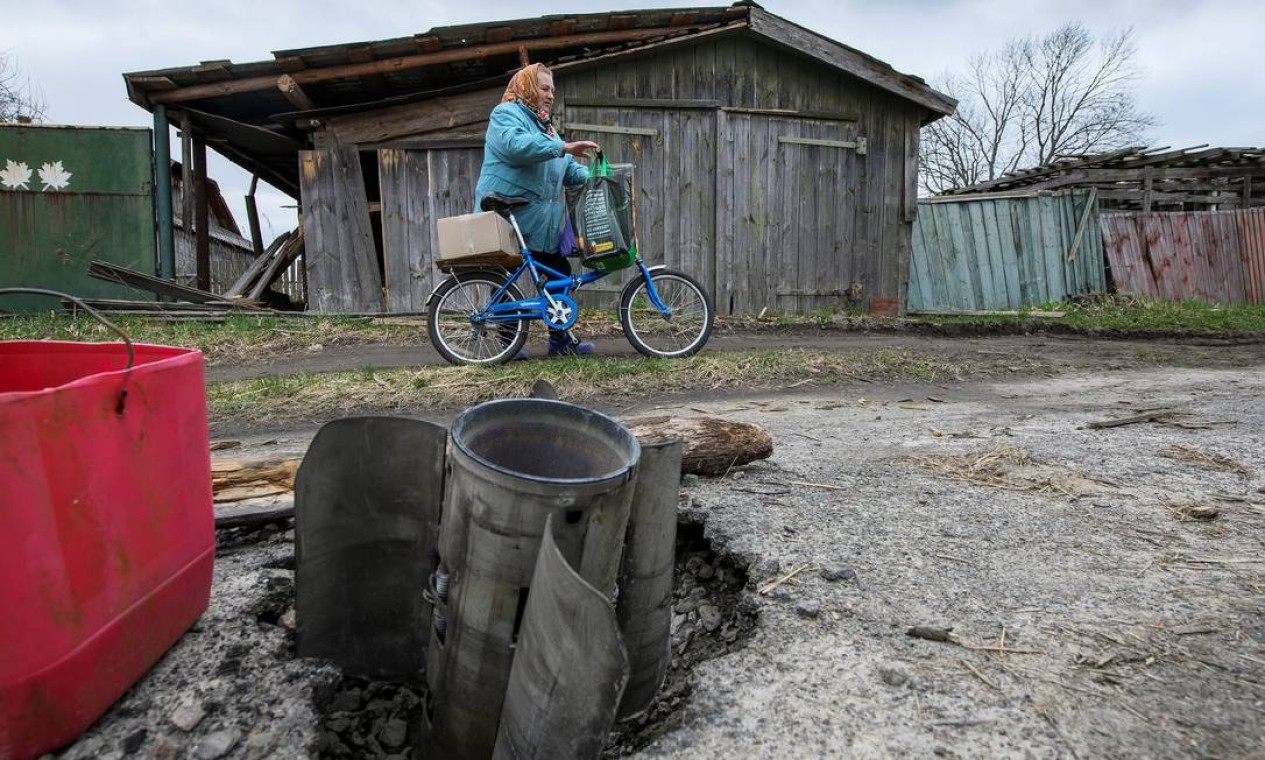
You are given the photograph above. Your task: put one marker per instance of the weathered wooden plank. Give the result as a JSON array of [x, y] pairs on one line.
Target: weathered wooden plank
[[792, 228], [437, 115], [995, 280], [726, 222], [825, 265], [341, 262], [1052, 241], [675, 188], [408, 222], [982, 272], [936, 237], [745, 228], [918, 298]]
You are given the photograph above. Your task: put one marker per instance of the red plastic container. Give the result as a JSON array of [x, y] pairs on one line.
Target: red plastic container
[[107, 527]]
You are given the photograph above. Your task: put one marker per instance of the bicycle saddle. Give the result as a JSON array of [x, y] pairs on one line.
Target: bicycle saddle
[[501, 203]]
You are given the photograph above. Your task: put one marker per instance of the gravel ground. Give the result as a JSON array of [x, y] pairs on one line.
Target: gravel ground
[[1091, 614]]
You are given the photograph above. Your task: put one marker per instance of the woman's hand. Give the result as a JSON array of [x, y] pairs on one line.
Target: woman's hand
[[580, 148]]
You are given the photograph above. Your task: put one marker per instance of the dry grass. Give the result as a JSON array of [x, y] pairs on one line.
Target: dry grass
[[611, 379], [1206, 459], [1009, 468], [984, 468]]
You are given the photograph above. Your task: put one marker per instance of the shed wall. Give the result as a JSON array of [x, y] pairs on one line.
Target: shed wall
[[790, 190]]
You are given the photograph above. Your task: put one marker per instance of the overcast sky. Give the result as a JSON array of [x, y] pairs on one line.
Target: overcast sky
[[1198, 59]]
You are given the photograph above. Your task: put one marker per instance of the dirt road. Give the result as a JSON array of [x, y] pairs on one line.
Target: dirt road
[[1100, 590]]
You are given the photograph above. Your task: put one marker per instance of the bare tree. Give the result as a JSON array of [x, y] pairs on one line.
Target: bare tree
[[20, 100], [1031, 102]]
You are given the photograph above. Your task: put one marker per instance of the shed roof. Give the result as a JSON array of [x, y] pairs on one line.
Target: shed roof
[[1198, 175], [253, 112]]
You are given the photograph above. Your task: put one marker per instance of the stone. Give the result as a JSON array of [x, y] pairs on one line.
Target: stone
[[164, 748], [393, 734], [893, 674], [346, 701], [838, 572], [216, 744], [132, 744], [288, 619], [809, 608], [188, 714], [260, 744], [709, 617]]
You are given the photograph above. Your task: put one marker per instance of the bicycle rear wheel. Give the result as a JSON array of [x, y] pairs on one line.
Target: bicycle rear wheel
[[683, 331], [455, 320]]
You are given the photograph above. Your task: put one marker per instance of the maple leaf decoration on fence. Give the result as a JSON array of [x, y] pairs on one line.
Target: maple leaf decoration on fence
[[15, 175], [54, 176]]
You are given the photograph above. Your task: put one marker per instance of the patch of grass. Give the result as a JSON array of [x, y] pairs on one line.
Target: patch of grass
[[577, 379], [1132, 314], [238, 334]]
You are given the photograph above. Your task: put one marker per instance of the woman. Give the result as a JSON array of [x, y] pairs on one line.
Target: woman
[[524, 156]]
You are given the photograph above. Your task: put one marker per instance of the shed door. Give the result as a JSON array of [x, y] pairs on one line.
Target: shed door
[[674, 152], [789, 185]]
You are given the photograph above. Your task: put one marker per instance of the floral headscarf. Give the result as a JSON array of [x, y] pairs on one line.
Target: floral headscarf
[[524, 89]]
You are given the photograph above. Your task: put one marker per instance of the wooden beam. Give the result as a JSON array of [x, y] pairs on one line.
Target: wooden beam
[[252, 217], [186, 172], [375, 84], [523, 59], [201, 216], [445, 114], [404, 63], [294, 93]]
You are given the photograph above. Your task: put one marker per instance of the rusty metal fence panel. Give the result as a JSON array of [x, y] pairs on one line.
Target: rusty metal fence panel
[[1214, 256]]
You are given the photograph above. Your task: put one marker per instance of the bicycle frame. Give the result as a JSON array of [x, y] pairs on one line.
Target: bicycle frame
[[556, 283]]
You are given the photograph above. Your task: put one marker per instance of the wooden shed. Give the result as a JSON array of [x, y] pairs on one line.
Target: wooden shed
[[776, 165]]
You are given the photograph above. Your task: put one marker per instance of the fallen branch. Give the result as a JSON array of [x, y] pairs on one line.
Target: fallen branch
[[1158, 415], [980, 675], [766, 588]]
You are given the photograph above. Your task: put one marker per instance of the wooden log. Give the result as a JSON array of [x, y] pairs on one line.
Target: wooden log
[[711, 447], [235, 479]]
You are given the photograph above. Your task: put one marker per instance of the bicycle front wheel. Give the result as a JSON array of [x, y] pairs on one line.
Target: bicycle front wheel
[[456, 324], [680, 331]]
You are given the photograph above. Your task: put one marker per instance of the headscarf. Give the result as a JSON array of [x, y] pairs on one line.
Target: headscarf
[[524, 89]]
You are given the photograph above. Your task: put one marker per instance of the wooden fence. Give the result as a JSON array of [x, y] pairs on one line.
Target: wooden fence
[[1004, 252], [1214, 256], [230, 255]]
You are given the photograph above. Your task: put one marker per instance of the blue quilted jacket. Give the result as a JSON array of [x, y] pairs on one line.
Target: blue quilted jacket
[[519, 158]]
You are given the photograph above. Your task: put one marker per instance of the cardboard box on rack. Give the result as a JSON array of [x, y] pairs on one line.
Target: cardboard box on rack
[[483, 239]]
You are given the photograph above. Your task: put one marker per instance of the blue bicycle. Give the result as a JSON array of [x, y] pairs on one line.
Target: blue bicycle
[[481, 317]]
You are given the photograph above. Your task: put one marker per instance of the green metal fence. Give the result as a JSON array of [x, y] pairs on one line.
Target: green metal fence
[[1005, 252], [69, 195]]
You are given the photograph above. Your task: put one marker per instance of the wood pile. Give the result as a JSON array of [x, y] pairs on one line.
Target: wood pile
[[1146, 179], [182, 302]]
